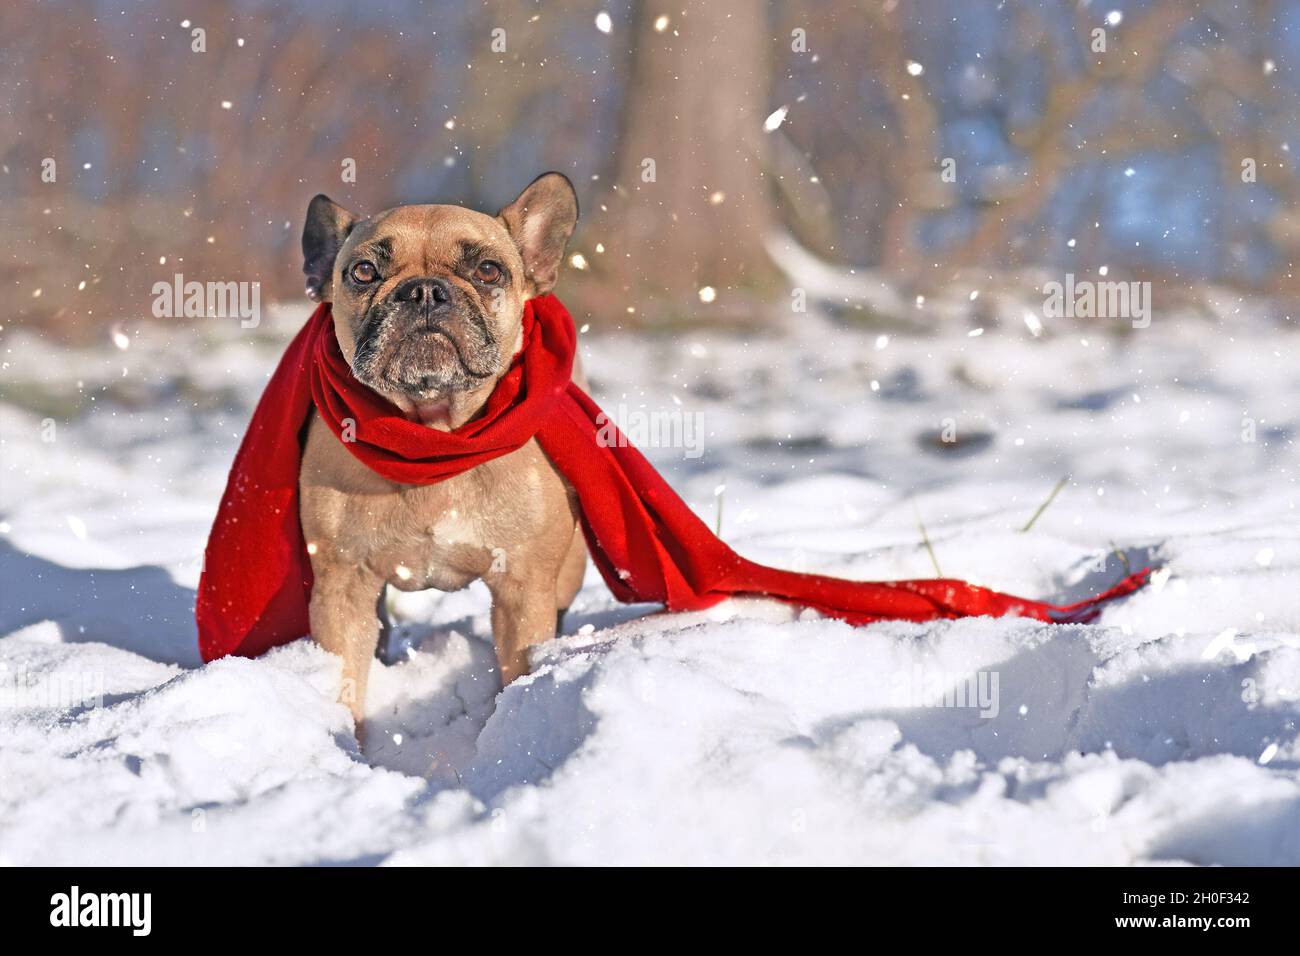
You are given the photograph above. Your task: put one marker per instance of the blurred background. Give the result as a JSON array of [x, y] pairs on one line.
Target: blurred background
[[877, 149]]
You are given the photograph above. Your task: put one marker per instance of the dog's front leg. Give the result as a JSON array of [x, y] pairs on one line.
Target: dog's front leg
[[343, 621], [523, 614]]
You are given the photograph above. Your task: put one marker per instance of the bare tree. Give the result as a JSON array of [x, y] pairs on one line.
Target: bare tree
[[692, 202]]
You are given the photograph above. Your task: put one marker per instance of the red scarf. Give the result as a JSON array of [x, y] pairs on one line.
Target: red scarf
[[648, 545]]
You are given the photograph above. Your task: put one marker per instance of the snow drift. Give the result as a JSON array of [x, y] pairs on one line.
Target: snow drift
[[1166, 732]]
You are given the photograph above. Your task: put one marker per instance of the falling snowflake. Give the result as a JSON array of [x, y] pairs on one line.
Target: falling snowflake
[[603, 22], [774, 121]]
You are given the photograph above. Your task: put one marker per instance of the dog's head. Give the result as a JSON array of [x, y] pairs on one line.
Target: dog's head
[[427, 300]]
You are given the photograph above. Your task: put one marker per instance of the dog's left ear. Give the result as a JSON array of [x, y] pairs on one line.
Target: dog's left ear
[[327, 226], [540, 222]]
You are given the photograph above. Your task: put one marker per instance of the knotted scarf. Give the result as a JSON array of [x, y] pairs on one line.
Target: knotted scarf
[[648, 545]]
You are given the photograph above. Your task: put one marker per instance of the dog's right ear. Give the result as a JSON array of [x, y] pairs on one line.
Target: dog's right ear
[[327, 226]]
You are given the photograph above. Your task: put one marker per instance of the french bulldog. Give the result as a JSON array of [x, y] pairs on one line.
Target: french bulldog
[[427, 303]]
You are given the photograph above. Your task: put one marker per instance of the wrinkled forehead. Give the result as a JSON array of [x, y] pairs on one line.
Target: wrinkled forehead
[[431, 238]]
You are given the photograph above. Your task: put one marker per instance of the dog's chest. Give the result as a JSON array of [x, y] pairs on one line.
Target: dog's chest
[[442, 535]]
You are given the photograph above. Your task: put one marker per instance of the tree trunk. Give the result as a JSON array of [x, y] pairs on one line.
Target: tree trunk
[[692, 204]]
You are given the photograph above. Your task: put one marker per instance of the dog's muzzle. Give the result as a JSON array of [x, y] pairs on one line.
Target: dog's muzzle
[[393, 345]]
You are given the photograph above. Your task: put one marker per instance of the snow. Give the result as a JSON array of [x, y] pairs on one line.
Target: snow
[[1166, 732], [775, 119]]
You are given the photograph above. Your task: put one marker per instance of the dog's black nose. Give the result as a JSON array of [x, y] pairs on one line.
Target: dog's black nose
[[429, 290]]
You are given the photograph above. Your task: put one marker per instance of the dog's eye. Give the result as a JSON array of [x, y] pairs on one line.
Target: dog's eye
[[487, 271], [364, 272]]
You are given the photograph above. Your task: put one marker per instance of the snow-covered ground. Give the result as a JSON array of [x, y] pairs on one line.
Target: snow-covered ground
[[1167, 732]]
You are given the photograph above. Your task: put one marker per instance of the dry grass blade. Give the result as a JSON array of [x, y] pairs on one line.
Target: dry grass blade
[[1043, 507]]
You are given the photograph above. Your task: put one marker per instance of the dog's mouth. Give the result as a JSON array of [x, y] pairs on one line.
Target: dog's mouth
[[423, 352]]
